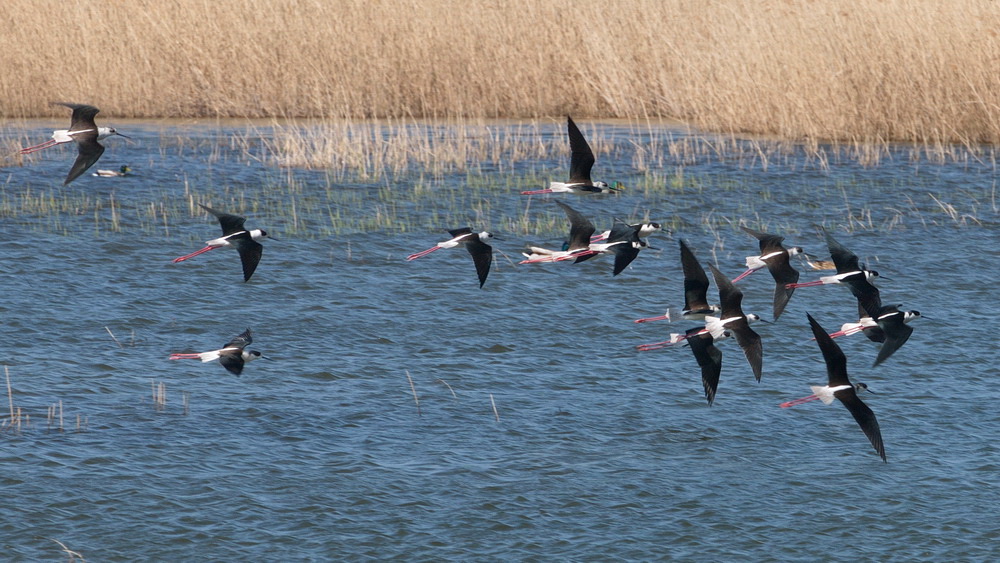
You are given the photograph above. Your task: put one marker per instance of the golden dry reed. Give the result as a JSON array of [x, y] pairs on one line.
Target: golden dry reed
[[855, 70]]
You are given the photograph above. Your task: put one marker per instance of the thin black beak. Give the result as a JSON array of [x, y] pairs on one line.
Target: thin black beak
[[263, 357], [120, 135]]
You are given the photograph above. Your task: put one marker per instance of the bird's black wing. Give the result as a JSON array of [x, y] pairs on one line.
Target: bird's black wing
[[232, 361], [89, 152], [695, 281], [836, 362], [896, 331], [625, 253], [844, 260], [768, 242], [750, 342], [241, 340], [83, 116], [582, 158], [625, 239], [864, 417], [482, 255], [250, 253], [230, 223], [459, 232], [580, 229], [730, 297], [783, 274], [709, 359], [869, 299]]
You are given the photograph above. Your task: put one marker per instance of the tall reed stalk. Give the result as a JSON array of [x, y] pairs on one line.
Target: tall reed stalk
[[911, 70]]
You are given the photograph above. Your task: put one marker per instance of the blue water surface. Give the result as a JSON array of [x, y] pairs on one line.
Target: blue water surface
[[541, 433]]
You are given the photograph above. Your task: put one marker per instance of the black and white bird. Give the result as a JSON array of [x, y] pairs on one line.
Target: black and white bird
[[623, 243], [580, 232], [893, 324], [581, 162], [733, 321], [233, 356], [840, 387], [234, 235], [775, 257], [696, 305], [851, 273], [475, 243], [85, 133], [643, 230]]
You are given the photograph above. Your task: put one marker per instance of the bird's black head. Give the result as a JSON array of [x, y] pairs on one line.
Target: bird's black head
[[862, 387]]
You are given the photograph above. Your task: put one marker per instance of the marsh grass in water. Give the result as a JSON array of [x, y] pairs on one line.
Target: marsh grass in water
[[18, 420], [412, 175]]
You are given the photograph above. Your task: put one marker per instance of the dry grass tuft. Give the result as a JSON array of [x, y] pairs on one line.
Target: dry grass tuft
[[850, 70]]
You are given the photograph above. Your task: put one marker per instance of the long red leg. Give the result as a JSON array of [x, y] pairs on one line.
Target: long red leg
[[45, 145], [536, 192], [422, 253], [803, 284], [659, 318], [539, 260], [743, 275], [195, 253], [187, 356], [794, 402]]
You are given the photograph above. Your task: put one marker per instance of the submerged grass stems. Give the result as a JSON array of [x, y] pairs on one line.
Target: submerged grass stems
[[17, 420]]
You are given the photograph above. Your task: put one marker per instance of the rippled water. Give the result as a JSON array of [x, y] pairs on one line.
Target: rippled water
[[600, 452]]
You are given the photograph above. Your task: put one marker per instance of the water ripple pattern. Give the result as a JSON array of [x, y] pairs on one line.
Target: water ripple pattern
[[541, 433]]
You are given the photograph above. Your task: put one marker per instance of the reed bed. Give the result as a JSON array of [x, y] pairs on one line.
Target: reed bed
[[852, 70]]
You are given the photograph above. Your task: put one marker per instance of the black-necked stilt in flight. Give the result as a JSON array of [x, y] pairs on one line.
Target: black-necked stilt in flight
[[235, 236], [850, 273], [581, 161], [623, 242], [85, 133], [122, 171], [775, 257], [642, 229], [580, 232], [695, 290], [840, 387], [733, 320], [475, 243], [895, 332], [232, 356]]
